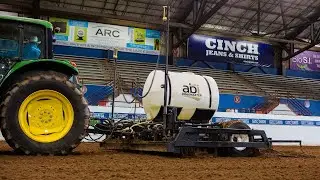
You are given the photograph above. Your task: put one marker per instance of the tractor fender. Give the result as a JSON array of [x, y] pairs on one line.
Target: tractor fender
[[61, 66]]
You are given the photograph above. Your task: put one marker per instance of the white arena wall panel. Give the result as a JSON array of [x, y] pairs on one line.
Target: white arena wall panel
[[277, 127]]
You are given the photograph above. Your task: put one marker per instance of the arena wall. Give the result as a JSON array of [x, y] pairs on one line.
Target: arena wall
[[280, 127]]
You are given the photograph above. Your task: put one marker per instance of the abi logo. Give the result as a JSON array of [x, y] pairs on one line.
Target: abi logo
[[190, 88], [191, 91]]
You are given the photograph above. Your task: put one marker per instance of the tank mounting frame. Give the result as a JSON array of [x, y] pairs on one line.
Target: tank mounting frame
[[202, 136]]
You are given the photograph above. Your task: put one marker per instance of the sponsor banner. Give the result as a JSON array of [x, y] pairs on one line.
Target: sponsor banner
[[306, 61], [221, 49], [107, 35], [103, 36], [257, 121], [101, 115], [269, 121]]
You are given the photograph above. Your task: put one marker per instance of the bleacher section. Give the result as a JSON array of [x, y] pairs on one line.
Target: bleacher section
[[92, 71], [286, 87], [99, 72], [228, 83]]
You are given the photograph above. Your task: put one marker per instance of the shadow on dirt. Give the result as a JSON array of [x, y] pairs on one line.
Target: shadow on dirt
[[153, 153], [269, 153], [8, 153], [13, 153]]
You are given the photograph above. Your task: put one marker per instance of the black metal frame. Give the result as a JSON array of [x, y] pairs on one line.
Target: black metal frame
[[191, 137]]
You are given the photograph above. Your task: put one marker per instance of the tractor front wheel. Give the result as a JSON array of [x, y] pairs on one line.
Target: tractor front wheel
[[44, 113]]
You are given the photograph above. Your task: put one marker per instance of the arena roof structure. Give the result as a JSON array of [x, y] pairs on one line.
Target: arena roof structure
[[283, 21]]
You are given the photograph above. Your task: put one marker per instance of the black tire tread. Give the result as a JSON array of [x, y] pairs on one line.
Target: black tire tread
[[248, 152], [25, 79]]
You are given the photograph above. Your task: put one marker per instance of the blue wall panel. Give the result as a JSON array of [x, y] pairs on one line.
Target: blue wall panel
[[305, 74], [314, 106], [140, 57], [255, 69], [184, 62], [227, 101], [76, 51], [189, 62], [216, 65]]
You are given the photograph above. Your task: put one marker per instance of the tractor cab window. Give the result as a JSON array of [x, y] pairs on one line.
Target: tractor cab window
[[22, 40], [33, 42], [9, 40]]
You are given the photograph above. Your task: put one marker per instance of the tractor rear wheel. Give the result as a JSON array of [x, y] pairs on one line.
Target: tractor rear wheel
[[44, 113]]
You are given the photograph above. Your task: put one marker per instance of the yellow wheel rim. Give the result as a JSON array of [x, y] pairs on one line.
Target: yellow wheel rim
[[46, 116]]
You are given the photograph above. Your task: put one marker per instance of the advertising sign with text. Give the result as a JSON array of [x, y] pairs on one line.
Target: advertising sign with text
[[306, 61], [221, 49], [104, 36]]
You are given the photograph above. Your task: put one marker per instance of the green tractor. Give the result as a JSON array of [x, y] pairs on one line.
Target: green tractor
[[43, 110]]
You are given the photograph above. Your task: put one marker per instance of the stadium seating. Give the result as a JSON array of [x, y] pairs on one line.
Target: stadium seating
[[100, 72], [227, 82], [92, 71], [286, 87]]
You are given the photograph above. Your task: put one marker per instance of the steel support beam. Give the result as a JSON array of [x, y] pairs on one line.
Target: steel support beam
[[312, 35], [301, 50], [115, 6], [201, 9], [203, 19], [209, 31], [282, 16], [312, 17], [92, 16], [264, 11], [125, 8], [317, 34], [288, 28], [258, 17], [82, 4], [187, 12], [195, 11], [36, 8], [209, 14]]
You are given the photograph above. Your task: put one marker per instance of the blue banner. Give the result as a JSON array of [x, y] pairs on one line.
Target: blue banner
[[269, 121], [221, 49]]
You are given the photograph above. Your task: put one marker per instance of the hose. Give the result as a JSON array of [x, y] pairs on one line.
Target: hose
[[92, 139], [138, 124], [112, 131], [136, 96]]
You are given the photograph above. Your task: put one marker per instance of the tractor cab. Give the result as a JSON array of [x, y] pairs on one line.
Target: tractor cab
[[22, 40]]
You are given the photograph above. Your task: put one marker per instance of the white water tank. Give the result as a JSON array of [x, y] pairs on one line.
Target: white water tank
[[195, 97]]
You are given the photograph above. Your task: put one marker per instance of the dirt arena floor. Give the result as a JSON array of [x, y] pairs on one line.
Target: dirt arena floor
[[91, 162]]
